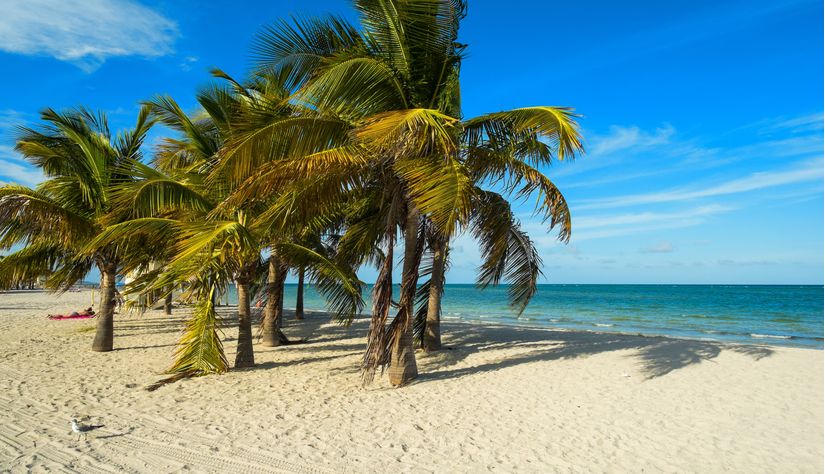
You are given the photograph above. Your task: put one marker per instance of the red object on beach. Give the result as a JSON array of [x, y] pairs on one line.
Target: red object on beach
[[78, 316]]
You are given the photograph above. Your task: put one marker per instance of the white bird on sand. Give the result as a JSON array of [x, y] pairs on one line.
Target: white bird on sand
[[81, 429]]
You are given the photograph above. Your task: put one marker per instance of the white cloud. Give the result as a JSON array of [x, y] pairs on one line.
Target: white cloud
[[808, 171], [639, 153], [85, 32]]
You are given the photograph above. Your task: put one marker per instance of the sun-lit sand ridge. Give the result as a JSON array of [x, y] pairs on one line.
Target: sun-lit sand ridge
[[504, 399]]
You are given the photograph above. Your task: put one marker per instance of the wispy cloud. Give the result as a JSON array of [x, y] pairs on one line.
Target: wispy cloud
[[803, 124], [601, 221], [631, 153], [13, 168], [661, 247], [12, 171], [612, 148], [187, 62], [624, 138], [806, 171], [85, 32], [9, 119], [612, 225]]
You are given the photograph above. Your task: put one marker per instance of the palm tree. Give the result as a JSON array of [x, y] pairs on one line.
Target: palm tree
[[182, 205], [502, 151], [54, 222], [201, 141], [387, 109]]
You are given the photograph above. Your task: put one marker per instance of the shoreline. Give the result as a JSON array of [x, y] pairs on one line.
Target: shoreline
[[763, 340], [760, 340], [773, 340]]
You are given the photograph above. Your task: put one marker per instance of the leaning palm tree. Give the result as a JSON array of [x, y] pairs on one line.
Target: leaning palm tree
[[503, 151], [387, 106], [82, 162]]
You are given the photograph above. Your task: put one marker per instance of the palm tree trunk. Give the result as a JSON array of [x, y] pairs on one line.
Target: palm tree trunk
[[299, 299], [104, 333], [403, 368], [245, 357], [432, 329], [273, 314], [167, 303]]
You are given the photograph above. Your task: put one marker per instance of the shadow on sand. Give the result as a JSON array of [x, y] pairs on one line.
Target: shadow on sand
[[323, 341], [658, 355]]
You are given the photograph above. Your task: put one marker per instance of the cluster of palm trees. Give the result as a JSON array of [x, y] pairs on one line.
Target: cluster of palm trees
[[342, 140]]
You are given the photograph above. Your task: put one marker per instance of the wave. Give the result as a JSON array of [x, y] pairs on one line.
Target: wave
[[770, 336], [603, 325]]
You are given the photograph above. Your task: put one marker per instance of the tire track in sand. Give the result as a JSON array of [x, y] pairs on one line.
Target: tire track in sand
[[34, 433]]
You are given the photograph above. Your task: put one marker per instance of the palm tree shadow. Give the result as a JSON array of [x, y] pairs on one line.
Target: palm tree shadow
[[297, 362], [659, 355]]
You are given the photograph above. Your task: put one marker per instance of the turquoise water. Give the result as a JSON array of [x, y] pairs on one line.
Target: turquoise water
[[783, 315]]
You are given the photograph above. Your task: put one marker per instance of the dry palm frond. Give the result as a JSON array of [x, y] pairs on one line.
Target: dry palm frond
[[200, 350], [376, 354]]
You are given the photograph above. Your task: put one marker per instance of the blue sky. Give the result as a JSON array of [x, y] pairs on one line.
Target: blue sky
[[703, 124]]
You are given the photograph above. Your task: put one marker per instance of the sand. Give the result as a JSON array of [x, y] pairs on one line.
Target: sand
[[503, 399]]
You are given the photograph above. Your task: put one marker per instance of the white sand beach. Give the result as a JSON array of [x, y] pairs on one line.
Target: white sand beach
[[503, 399]]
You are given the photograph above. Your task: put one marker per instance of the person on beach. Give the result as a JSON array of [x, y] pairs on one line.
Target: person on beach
[[86, 313]]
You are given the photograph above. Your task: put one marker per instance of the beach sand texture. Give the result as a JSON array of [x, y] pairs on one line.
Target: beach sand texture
[[505, 399]]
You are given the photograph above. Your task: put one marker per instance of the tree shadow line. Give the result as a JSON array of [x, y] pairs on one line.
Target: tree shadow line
[[658, 355]]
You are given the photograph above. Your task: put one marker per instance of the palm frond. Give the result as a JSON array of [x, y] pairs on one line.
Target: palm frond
[[27, 214], [301, 45], [506, 251], [439, 188], [410, 132], [264, 139], [200, 350], [151, 192], [556, 125], [28, 263], [355, 88], [520, 179]]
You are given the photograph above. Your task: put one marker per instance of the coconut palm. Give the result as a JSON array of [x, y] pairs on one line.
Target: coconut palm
[[181, 206], [82, 162], [504, 159], [388, 112], [387, 137]]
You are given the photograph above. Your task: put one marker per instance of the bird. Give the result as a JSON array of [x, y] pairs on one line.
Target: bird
[[83, 430]]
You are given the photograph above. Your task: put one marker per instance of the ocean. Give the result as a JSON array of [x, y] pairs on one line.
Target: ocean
[[781, 315]]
